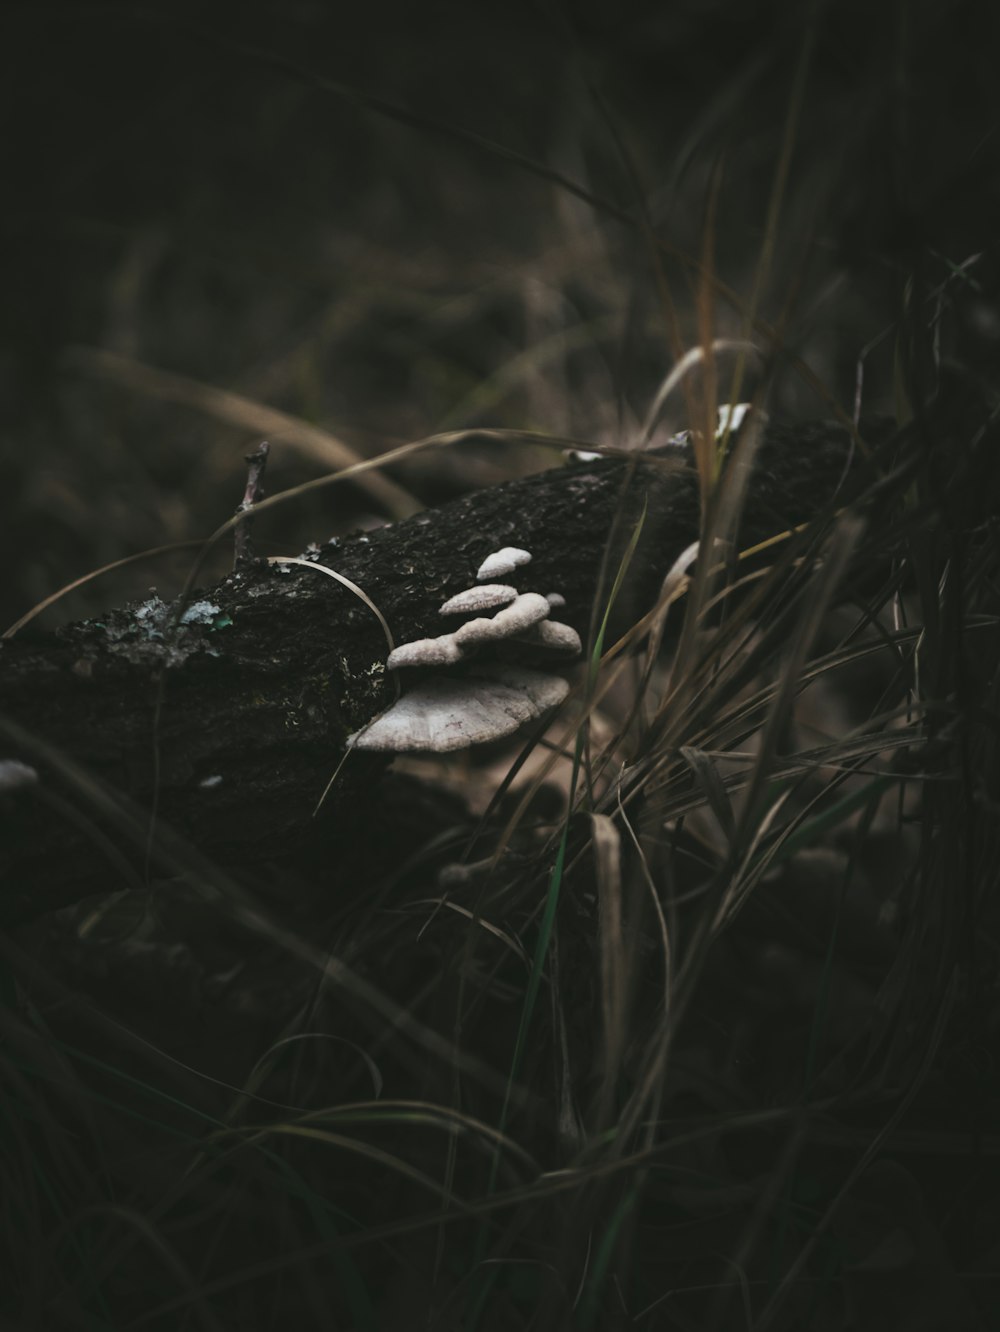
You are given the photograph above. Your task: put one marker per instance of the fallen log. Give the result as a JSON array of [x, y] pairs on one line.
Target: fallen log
[[216, 724]]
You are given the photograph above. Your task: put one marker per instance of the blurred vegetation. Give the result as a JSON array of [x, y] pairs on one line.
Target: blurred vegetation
[[408, 219], [224, 192]]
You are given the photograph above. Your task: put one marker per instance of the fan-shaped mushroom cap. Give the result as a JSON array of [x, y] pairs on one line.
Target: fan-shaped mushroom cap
[[479, 598], [441, 651], [444, 714], [555, 599], [502, 562], [552, 634], [521, 614]]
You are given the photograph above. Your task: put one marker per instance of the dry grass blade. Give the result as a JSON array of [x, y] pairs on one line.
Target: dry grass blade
[[691, 359], [614, 962], [359, 592], [319, 446], [714, 788], [675, 585], [54, 597], [844, 539], [740, 883]]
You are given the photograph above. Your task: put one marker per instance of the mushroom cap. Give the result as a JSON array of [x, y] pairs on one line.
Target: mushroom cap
[[444, 714], [552, 634], [555, 599], [479, 598], [441, 651], [502, 562], [732, 416], [514, 619]]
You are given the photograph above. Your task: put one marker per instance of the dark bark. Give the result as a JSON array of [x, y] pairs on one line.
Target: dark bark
[[237, 718]]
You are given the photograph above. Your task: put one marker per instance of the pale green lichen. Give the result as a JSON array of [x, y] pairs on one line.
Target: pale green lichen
[[150, 632], [200, 612]]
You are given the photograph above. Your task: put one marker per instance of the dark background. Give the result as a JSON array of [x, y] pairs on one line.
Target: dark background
[[343, 211]]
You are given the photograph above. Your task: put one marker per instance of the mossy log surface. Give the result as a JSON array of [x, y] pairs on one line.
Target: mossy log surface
[[229, 720]]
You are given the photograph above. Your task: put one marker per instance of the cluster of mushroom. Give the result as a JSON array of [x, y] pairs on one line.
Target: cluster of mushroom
[[477, 699]]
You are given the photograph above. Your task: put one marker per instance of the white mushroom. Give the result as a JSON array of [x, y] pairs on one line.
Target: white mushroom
[[731, 417], [552, 634], [479, 598], [441, 651], [502, 562], [445, 714], [555, 599], [527, 610]]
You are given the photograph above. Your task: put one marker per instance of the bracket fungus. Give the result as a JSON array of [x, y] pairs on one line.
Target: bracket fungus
[[552, 634], [502, 562], [514, 619], [443, 651], [448, 713], [479, 598], [480, 699]]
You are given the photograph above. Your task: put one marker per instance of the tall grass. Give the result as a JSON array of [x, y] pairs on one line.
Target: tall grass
[[684, 1015]]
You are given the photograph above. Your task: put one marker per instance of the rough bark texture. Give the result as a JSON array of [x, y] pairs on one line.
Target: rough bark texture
[[232, 721]]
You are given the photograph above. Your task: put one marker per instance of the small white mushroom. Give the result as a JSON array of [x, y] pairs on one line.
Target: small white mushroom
[[521, 614], [446, 714], [441, 651], [479, 598], [555, 599], [502, 562], [731, 417], [552, 634]]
